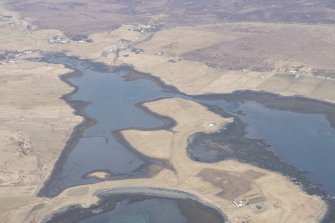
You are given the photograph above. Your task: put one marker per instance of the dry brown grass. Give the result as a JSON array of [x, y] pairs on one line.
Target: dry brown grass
[[216, 184], [225, 58], [91, 16], [34, 107]]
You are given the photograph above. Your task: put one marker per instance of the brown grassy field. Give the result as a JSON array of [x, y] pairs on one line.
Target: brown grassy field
[[219, 183], [96, 15], [205, 47]]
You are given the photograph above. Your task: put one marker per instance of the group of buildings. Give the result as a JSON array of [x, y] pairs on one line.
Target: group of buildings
[[10, 56]]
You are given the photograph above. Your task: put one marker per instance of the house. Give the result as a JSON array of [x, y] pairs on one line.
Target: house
[[238, 203]]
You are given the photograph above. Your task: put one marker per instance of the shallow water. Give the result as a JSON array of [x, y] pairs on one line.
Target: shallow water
[[306, 141], [137, 208], [150, 210], [296, 136], [112, 104]]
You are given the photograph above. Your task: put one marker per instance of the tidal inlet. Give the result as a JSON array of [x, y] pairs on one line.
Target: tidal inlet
[[167, 111]]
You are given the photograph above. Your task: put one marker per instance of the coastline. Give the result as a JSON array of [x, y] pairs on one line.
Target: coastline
[[79, 107], [129, 191], [79, 110], [168, 125], [186, 162], [284, 102], [321, 217]]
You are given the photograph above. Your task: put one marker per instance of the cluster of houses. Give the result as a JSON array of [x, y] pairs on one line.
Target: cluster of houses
[[147, 28], [253, 201], [174, 60], [81, 38], [323, 73], [298, 72], [58, 40], [133, 50], [30, 28], [10, 56]]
